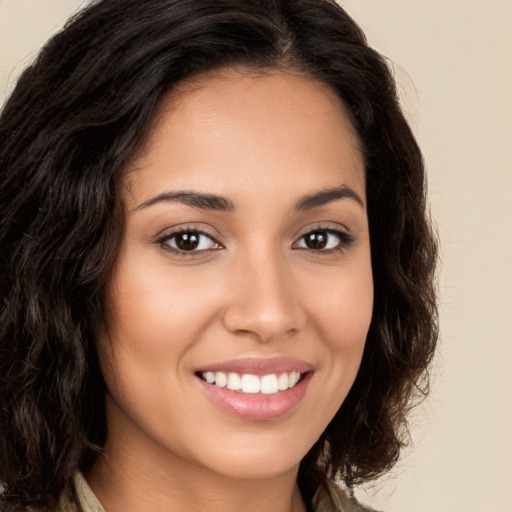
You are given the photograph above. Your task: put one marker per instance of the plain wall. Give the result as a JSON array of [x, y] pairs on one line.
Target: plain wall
[[452, 60]]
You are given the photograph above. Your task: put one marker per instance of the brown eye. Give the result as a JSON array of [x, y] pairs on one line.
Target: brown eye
[[324, 240], [189, 241], [316, 240]]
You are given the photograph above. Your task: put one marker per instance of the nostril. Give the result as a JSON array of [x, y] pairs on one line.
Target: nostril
[[263, 323]]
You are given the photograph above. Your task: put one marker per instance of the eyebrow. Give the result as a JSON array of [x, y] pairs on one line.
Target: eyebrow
[[327, 196], [195, 199], [221, 204]]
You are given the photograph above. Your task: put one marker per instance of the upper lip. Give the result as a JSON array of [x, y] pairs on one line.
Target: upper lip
[[258, 366]]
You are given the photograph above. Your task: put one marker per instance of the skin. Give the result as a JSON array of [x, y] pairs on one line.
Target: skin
[[262, 141]]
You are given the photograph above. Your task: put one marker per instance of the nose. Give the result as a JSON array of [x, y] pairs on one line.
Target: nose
[[265, 301]]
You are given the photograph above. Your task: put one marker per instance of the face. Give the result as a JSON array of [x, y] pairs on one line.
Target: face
[[238, 308]]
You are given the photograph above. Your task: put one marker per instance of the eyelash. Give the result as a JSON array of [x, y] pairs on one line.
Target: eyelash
[[163, 241], [345, 240]]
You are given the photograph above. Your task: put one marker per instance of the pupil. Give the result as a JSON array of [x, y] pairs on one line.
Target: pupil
[[317, 240], [187, 241]]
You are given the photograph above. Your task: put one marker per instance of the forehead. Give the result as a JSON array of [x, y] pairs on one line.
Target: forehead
[[268, 128]]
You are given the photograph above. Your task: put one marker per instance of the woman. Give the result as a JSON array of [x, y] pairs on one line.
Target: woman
[[216, 262]]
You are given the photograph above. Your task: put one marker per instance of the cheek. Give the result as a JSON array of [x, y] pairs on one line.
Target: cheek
[[343, 309], [344, 306], [155, 319], [154, 312]]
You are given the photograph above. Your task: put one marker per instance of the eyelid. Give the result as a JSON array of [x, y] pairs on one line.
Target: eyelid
[[169, 233], [185, 227], [346, 238]]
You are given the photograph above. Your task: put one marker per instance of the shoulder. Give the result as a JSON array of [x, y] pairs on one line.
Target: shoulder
[[65, 504], [83, 499], [332, 498]]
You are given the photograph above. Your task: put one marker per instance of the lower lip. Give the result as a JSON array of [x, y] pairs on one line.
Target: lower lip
[[257, 407]]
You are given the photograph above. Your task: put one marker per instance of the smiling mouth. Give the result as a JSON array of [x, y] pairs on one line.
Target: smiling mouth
[[247, 383]]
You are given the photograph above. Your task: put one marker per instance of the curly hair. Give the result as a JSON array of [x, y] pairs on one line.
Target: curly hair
[[78, 115]]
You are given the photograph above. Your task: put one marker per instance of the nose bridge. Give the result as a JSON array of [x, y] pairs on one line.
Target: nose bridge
[[264, 301]]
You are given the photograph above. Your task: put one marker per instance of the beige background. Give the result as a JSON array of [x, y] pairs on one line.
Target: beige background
[[453, 61]]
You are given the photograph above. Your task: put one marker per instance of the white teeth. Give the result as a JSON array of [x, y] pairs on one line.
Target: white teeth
[[294, 378], [248, 383], [269, 384], [234, 382], [221, 379], [283, 382]]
